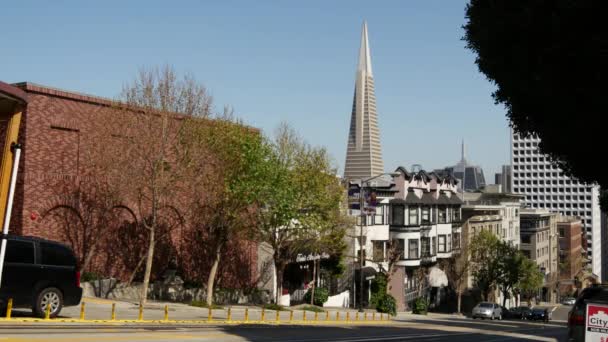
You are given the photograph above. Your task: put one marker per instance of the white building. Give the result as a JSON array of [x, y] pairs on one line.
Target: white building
[[546, 187]]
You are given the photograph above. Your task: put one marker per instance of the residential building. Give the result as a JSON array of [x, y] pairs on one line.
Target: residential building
[[425, 226], [539, 242], [571, 253], [480, 208], [494, 211], [472, 175], [363, 152], [545, 186]]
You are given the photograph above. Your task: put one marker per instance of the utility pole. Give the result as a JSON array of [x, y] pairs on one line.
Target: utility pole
[[361, 262]]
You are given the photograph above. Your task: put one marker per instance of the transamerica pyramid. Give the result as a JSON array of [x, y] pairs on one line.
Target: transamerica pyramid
[[363, 152]]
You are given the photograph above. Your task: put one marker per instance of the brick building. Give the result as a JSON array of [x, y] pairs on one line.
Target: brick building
[[54, 132]]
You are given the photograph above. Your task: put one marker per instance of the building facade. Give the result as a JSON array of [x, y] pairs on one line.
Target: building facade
[[539, 242], [571, 253], [425, 227], [363, 151], [545, 186], [56, 128]]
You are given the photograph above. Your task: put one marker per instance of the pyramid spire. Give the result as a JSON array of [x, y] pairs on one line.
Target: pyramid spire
[[365, 59], [464, 151], [363, 153]]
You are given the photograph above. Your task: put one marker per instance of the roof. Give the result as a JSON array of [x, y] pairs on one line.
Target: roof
[[29, 87], [13, 92]]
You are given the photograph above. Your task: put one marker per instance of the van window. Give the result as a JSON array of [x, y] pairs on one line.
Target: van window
[[19, 252], [56, 255]]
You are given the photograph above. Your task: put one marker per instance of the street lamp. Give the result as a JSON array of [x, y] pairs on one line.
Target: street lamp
[[363, 216]]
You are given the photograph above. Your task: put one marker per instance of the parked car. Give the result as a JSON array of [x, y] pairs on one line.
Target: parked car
[[520, 312], [569, 301], [487, 310], [577, 316], [38, 273], [539, 314]]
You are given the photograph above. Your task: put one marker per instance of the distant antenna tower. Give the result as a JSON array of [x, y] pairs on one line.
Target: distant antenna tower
[[416, 167]]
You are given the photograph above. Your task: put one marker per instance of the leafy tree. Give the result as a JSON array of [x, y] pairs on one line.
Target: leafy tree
[[227, 163], [531, 280], [485, 261], [548, 62], [301, 208]]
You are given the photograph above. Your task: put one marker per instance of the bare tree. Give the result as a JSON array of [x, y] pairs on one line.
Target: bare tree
[[146, 152], [457, 270]]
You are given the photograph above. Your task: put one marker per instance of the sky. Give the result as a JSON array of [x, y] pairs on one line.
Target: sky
[[279, 61]]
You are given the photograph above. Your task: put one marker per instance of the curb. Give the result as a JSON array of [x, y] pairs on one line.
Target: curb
[[32, 321]]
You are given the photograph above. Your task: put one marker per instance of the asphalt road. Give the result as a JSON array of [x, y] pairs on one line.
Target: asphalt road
[[406, 329]]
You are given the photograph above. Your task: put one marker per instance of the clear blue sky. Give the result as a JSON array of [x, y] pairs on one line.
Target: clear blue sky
[[276, 61]]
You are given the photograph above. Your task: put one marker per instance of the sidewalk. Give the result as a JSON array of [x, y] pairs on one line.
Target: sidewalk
[[98, 309]]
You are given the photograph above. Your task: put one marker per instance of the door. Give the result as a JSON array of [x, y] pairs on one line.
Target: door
[[20, 272]]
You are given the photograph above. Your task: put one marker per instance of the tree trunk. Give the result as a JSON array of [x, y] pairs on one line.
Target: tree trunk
[[144, 290], [314, 280], [459, 295], [504, 297], [278, 266], [132, 276], [213, 273], [87, 259]]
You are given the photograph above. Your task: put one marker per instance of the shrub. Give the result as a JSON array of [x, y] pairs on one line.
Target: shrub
[[203, 304], [386, 304], [89, 276], [378, 289], [312, 308], [321, 295], [275, 307], [420, 306]]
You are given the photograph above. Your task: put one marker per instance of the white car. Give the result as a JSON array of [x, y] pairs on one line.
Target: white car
[[569, 301], [487, 310]]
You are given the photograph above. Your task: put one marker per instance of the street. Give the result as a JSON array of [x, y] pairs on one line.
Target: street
[[408, 328]]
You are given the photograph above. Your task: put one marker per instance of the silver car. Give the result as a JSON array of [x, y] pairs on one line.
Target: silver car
[[487, 310], [569, 301]]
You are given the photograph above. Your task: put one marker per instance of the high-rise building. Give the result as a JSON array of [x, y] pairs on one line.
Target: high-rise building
[[546, 187], [472, 174], [363, 152]]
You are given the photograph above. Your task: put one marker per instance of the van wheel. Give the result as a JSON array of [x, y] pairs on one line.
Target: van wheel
[[49, 296]]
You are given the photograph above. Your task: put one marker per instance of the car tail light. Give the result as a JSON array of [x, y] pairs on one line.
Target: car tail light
[[78, 278], [576, 319]]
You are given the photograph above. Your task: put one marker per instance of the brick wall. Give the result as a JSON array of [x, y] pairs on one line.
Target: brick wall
[[55, 130]]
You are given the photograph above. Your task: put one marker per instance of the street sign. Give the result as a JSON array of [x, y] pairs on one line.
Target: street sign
[[370, 277], [596, 326]]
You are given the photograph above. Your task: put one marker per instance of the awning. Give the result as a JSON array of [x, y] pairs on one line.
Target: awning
[[437, 278]]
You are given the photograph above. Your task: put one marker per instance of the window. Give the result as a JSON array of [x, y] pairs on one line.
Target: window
[[442, 214], [425, 247], [434, 246], [441, 244], [413, 214], [561, 232], [426, 214], [378, 250], [400, 243], [19, 252], [412, 252], [398, 215], [56, 255], [449, 241], [525, 238], [456, 214], [456, 240]]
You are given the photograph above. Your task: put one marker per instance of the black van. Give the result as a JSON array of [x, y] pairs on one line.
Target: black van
[[38, 273]]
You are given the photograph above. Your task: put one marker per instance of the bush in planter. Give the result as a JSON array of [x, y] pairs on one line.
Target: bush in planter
[[420, 306], [386, 304], [321, 295]]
